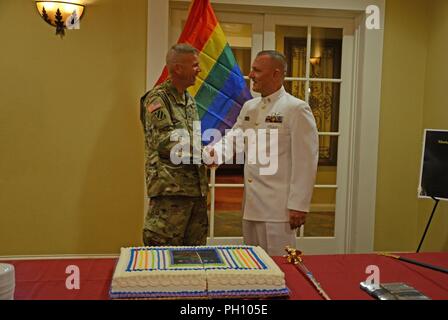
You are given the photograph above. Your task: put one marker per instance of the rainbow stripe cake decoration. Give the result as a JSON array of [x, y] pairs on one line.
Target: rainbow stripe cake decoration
[[196, 272]]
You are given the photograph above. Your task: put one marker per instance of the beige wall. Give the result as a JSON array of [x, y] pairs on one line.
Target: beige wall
[[435, 116], [71, 148], [414, 73]]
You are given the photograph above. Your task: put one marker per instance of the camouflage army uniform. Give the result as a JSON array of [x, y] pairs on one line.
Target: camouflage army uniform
[[177, 212]]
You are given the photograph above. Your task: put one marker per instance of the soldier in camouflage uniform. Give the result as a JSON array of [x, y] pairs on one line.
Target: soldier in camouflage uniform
[[177, 212]]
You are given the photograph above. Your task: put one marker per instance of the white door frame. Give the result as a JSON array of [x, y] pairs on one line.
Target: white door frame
[[368, 49]]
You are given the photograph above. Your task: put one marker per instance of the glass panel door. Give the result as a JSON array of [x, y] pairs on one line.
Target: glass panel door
[[319, 54], [244, 33], [314, 49], [321, 60]]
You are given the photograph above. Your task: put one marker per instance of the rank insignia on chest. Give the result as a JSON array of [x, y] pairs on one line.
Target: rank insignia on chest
[[274, 118], [160, 115], [246, 118]]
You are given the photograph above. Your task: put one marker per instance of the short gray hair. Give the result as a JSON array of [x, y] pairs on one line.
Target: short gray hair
[[276, 56], [179, 48]]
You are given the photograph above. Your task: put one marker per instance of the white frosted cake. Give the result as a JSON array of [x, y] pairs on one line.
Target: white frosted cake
[[196, 272]]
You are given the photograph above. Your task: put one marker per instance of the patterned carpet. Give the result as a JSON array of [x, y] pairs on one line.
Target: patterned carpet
[[318, 224], [228, 213]]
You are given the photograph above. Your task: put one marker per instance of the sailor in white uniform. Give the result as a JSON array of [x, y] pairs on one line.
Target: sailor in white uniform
[[277, 195]]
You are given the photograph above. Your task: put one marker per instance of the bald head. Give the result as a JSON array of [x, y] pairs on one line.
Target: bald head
[[268, 72], [278, 59]]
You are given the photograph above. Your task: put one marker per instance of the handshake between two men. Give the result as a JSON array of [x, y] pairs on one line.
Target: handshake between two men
[[213, 157]]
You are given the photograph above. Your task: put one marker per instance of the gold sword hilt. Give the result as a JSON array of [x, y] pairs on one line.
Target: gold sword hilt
[[293, 255]]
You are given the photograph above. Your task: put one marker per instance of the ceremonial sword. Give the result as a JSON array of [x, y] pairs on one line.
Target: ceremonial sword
[[421, 264], [294, 257]]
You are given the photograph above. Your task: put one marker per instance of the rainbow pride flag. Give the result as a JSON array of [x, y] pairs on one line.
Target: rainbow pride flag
[[220, 90]]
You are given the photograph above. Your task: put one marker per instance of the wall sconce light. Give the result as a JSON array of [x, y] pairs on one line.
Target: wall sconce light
[[315, 60], [60, 14]]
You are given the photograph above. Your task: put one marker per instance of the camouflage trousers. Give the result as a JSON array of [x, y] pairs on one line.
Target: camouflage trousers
[[176, 221]]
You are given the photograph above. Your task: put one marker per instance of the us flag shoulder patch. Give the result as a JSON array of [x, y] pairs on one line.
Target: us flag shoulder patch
[[153, 106]]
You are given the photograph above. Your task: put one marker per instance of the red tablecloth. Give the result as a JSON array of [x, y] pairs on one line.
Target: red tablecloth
[[339, 275]]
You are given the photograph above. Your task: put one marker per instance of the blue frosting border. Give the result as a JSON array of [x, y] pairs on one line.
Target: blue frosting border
[[185, 294]]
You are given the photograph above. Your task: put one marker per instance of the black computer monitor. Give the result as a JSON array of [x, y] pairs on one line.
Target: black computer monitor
[[434, 167]]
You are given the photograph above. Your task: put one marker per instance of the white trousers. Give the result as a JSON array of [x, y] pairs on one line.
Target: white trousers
[[273, 237]]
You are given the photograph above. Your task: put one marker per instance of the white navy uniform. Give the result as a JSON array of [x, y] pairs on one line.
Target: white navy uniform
[[268, 198]]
